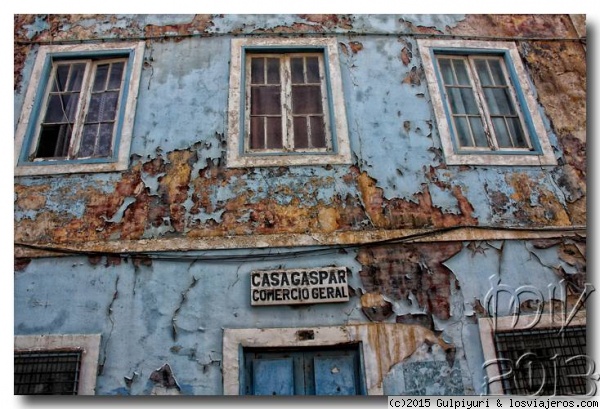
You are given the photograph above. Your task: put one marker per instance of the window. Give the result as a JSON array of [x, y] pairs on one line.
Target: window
[[306, 371], [548, 358], [486, 113], [55, 364], [344, 357], [47, 373], [78, 110], [286, 105]]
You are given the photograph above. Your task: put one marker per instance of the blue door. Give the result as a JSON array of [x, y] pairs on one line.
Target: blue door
[[302, 371]]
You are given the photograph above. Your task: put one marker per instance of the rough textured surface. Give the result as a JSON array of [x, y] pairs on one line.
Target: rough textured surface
[[166, 310]]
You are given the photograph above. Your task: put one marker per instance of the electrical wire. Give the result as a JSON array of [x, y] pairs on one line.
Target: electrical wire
[[184, 255]]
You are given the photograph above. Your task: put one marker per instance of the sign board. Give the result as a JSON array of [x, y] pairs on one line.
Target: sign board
[[299, 286]]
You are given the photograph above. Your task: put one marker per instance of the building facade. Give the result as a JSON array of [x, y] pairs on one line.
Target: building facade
[[300, 204]]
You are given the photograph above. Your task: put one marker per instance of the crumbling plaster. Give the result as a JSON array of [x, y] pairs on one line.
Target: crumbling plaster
[[178, 191]]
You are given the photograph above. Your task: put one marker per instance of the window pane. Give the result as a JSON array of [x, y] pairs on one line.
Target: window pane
[[257, 133], [306, 100], [77, 72], [517, 132], [257, 70], [462, 129], [498, 101], [446, 69], [60, 78], [101, 76], [274, 135], [273, 71], [93, 114], [478, 132], [461, 72], [54, 141], [497, 74], [297, 70], [501, 132], [462, 101], [312, 70], [317, 132], [484, 74], [88, 140], [116, 74], [61, 108], [266, 100], [300, 133], [103, 107], [105, 140]]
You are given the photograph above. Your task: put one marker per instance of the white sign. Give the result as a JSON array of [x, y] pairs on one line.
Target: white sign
[[299, 286]]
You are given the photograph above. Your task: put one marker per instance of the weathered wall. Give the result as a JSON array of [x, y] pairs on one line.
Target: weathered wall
[[168, 312], [173, 310], [178, 184]]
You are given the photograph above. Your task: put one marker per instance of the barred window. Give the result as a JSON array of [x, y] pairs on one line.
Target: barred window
[[47, 373], [543, 361]]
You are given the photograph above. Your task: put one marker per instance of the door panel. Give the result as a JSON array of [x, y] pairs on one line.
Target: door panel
[[309, 371], [335, 375], [273, 376]]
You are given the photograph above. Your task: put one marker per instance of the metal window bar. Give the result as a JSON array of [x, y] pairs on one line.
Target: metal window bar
[[47, 373], [543, 361]]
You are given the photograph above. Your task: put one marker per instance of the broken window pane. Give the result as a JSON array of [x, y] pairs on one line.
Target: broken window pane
[[54, 141]]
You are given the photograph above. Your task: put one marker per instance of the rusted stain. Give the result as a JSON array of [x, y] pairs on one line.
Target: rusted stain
[[21, 264], [355, 46], [414, 76], [397, 213], [199, 24], [30, 198], [406, 56], [397, 271], [329, 21], [397, 342], [547, 211], [514, 25]]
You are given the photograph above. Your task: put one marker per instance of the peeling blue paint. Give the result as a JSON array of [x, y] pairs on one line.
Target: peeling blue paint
[[39, 25]]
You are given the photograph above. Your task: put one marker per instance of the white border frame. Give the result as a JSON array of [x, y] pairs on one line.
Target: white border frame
[[236, 83], [235, 339], [546, 157], [48, 168], [89, 343]]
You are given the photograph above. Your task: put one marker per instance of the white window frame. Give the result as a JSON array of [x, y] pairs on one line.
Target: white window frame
[[489, 325], [338, 146], [540, 152], [88, 344], [27, 131]]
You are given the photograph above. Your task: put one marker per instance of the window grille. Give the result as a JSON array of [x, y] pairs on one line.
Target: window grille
[[543, 361], [47, 373]]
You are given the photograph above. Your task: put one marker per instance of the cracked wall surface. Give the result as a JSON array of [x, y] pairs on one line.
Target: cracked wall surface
[[161, 310], [178, 184]]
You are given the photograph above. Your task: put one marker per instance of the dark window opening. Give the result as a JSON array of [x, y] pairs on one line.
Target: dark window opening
[[47, 373], [543, 362]]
